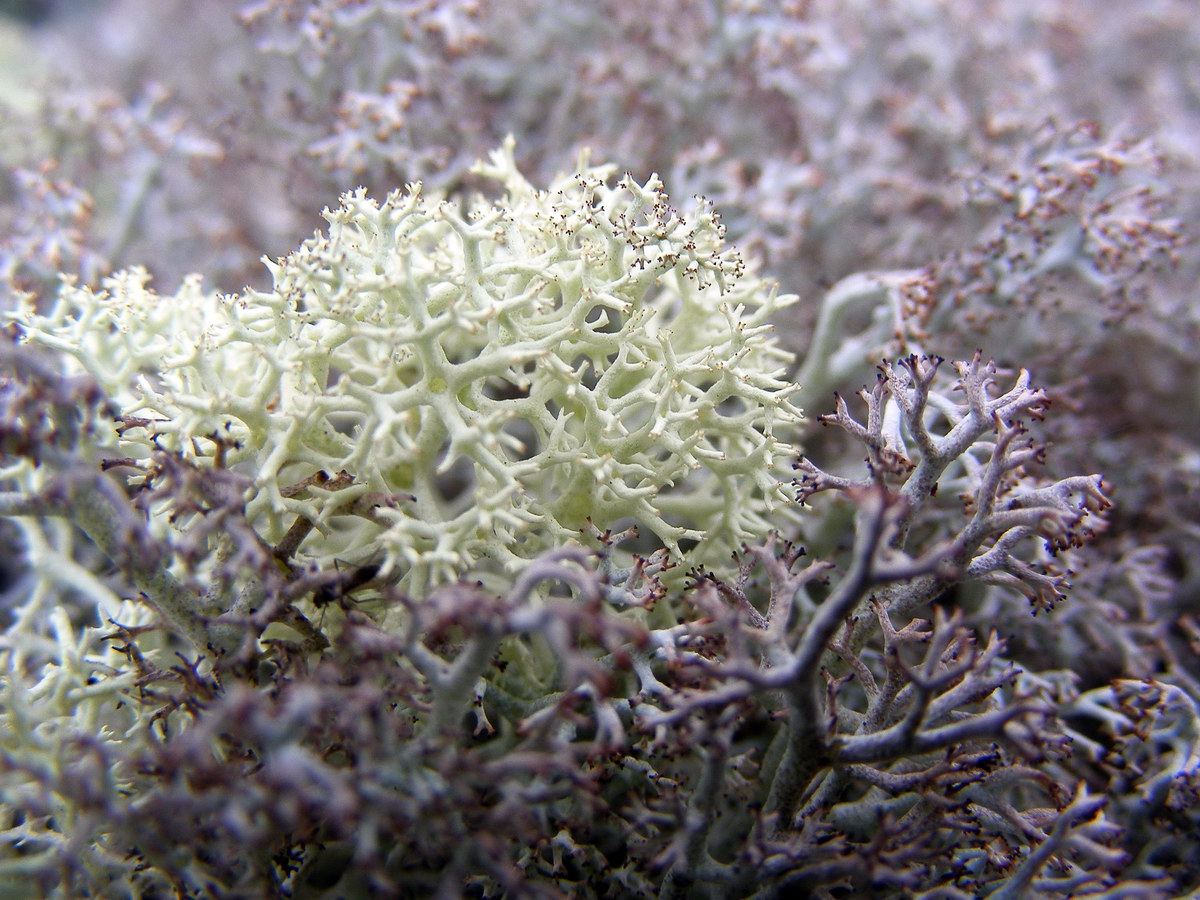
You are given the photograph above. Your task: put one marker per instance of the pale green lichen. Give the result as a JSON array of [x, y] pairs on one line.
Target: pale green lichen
[[490, 378]]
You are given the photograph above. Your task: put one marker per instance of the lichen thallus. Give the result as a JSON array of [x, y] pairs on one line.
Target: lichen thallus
[[329, 588]]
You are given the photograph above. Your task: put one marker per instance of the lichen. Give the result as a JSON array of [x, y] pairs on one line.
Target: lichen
[[482, 380]]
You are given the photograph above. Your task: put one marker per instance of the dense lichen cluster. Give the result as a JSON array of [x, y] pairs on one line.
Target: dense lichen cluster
[[461, 390], [479, 548]]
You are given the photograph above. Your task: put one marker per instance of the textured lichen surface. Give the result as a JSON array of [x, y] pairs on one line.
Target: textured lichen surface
[[477, 383], [968, 668]]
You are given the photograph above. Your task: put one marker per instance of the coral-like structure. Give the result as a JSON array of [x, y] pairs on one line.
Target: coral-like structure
[[796, 728], [456, 556], [433, 388]]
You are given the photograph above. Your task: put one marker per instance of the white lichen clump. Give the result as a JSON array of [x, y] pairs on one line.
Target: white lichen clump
[[462, 389]]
